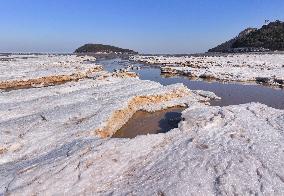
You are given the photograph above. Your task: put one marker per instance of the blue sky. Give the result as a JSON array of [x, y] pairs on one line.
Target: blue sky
[[147, 26]]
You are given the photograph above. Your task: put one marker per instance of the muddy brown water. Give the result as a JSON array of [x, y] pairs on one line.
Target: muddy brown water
[[143, 123], [230, 93]]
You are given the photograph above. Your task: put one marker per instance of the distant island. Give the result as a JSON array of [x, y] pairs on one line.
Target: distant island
[[103, 49], [269, 37]]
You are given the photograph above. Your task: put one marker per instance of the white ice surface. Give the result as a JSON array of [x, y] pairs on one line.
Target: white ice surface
[[234, 67], [215, 151], [48, 147], [22, 67]]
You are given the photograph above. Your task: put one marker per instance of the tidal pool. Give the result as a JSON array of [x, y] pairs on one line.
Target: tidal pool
[[143, 123]]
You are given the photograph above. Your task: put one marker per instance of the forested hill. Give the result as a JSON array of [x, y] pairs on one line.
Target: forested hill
[[100, 48], [270, 36]]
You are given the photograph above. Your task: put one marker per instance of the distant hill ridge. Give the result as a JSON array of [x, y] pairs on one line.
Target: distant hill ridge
[[268, 37], [101, 48]]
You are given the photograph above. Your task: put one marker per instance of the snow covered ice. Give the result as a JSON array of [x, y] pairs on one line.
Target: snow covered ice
[[263, 68], [56, 139], [17, 71]]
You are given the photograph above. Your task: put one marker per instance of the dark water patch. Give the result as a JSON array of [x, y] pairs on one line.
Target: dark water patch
[[143, 123]]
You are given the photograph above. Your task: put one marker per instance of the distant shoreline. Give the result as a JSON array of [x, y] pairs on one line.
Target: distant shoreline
[[113, 55]]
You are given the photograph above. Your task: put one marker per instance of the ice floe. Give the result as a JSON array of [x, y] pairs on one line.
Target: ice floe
[[21, 71], [262, 68]]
